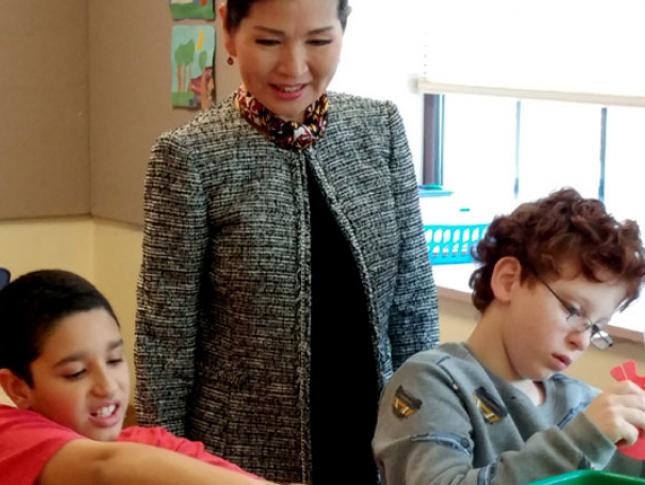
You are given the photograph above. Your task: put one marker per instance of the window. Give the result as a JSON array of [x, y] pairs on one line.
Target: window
[[522, 98], [498, 152]]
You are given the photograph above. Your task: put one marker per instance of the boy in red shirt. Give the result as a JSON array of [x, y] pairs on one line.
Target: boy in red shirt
[[62, 363]]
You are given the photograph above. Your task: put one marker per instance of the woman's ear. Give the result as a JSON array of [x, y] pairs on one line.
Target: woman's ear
[[16, 388], [506, 273], [229, 44]]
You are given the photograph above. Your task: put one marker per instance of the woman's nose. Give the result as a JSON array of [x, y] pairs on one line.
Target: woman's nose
[[293, 61]]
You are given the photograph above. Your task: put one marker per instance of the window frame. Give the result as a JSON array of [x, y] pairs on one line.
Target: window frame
[[434, 108]]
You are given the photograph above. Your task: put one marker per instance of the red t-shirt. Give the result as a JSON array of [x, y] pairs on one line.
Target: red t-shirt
[[28, 441]]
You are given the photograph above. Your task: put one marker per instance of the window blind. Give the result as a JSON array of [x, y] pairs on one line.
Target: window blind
[[571, 50]]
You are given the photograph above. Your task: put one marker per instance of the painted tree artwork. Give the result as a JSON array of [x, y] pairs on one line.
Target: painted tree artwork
[[192, 9], [191, 59]]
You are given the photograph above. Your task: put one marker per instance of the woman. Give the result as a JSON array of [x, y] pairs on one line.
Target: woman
[[285, 273]]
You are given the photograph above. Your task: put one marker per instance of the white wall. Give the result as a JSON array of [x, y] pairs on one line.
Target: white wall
[[376, 64]]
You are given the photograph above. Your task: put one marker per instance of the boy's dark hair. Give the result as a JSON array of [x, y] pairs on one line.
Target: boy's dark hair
[[561, 227], [32, 306]]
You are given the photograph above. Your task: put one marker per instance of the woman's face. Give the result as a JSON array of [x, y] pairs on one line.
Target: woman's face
[[287, 52]]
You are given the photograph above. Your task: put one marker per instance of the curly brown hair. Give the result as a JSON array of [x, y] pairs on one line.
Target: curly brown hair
[[563, 227]]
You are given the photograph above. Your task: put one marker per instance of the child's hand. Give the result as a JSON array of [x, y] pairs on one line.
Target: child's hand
[[619, 412]]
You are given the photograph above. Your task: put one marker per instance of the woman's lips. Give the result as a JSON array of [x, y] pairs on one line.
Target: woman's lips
[[288, 92]]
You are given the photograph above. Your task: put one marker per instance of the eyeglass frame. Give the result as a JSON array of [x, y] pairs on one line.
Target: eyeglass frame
[[599, 337]]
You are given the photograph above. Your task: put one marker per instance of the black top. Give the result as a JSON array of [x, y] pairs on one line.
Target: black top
[[344, 389]]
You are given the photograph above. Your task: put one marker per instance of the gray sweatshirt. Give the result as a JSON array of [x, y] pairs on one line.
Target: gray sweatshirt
[[444, 419]]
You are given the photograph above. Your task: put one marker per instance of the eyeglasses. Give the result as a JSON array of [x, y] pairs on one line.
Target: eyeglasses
[[580, 323]]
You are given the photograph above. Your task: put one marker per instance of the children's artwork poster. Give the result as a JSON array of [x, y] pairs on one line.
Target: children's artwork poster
[[192, 9], [191, 58]]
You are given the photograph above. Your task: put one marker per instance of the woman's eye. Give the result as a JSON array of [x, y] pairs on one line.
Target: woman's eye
[[115, 361], [319, 41], [267, 42]]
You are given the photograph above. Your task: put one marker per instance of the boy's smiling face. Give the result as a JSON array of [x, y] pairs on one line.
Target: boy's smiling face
[[81, 378]]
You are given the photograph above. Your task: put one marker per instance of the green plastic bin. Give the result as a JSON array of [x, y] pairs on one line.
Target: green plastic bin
[[590, 477]]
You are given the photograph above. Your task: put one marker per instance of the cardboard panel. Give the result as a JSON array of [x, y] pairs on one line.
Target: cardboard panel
[[130, 98], [44, 156]]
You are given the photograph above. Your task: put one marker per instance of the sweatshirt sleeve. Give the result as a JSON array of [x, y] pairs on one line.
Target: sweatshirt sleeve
[[426, 434]]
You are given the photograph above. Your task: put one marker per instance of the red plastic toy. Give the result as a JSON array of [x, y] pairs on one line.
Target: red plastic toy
[[627, 371]]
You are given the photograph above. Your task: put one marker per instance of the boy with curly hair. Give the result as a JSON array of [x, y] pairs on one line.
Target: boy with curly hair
[[496, 409]]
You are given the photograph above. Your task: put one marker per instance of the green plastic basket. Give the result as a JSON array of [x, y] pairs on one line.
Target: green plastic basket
[[590, 477]]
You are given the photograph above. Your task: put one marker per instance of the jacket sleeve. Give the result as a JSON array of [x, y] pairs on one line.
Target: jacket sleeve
[[414, 319], [174, 244], [436, 443]]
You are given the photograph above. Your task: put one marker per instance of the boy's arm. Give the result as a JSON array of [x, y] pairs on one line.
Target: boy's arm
[[161, 438], [625, 465], [425, 434], [97, 463], [619, 413]]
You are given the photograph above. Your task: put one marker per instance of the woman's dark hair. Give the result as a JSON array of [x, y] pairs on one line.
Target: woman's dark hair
[[32, 306], [563, 227], [237, 10]]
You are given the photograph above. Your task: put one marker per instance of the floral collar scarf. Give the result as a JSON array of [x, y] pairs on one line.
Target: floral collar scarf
[[284, 133]]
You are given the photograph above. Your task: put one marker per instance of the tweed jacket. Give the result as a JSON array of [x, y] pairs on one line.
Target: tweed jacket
[[222, 336]]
